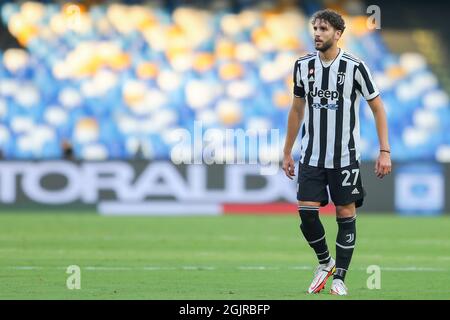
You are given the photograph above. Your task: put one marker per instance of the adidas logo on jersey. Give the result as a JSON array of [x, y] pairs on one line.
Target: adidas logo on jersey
[[355, 191]]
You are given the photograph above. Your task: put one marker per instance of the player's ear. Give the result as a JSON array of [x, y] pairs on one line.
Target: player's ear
[[337, 34]]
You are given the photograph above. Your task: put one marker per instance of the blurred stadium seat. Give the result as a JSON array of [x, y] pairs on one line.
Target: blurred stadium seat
[[116, 80]]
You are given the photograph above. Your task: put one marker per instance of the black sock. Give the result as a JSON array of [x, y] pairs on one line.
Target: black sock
[[314, 232], [345, 243]]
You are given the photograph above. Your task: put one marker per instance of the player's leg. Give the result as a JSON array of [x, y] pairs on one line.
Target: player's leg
[[312, 193], [346, 238], [313, 230], [345, 244], [347, 193]]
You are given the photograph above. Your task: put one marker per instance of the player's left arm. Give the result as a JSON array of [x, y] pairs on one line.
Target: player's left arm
[[370, 92], [383, 165]]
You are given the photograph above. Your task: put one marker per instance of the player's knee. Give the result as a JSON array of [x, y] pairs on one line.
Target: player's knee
[[308, 204], [345, 211], [309, 217], [308, 212]]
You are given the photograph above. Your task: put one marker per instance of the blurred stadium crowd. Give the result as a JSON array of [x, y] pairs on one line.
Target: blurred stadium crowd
[[116, 80]]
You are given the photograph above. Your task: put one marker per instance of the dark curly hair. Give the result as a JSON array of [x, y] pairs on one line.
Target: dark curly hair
[[330, 16]]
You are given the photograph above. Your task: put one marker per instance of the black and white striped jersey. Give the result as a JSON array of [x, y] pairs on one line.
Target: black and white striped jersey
[[330, 131]]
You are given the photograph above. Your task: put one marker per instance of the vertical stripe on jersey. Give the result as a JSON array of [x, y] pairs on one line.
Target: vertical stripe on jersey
[[299, 90], [305, 139], [305, 136], [339, 117], [351, 143], [323, 119], [331, 116], [308, 151], [303, 131], [367, 86], [318, 71], [356, 131], [349, 85]]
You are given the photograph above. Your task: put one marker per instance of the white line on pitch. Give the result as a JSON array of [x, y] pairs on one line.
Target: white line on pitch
[[257, 268], [210, 268], [25, 267], [413, 268], [158, 208]]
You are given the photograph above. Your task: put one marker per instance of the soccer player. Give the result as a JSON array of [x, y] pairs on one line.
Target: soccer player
[[327, 89]]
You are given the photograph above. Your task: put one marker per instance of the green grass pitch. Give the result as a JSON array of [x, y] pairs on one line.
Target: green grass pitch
[[226, 257]]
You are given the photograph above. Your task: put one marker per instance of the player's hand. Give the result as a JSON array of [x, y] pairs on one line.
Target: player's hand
[[383, 165], [289, 166]]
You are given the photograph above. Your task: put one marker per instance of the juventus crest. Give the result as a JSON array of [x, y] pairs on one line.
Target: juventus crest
[[341, 78]]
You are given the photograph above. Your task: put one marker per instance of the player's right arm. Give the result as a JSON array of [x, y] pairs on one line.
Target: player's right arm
[[295, 119]]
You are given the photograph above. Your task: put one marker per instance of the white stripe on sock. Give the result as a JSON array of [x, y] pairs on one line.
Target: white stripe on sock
[[344, 247], [351, 220], [317, 240]]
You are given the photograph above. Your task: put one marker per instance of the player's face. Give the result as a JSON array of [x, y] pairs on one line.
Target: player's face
[[325, 36]]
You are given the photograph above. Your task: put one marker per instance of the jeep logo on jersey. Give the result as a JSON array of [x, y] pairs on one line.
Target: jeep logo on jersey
[[324, 94]]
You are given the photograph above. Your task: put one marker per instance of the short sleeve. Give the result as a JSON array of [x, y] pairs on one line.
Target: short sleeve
[[363, 77], [299, 90]]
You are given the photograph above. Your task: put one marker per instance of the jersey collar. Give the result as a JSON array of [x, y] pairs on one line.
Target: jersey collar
[[336, 58]]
